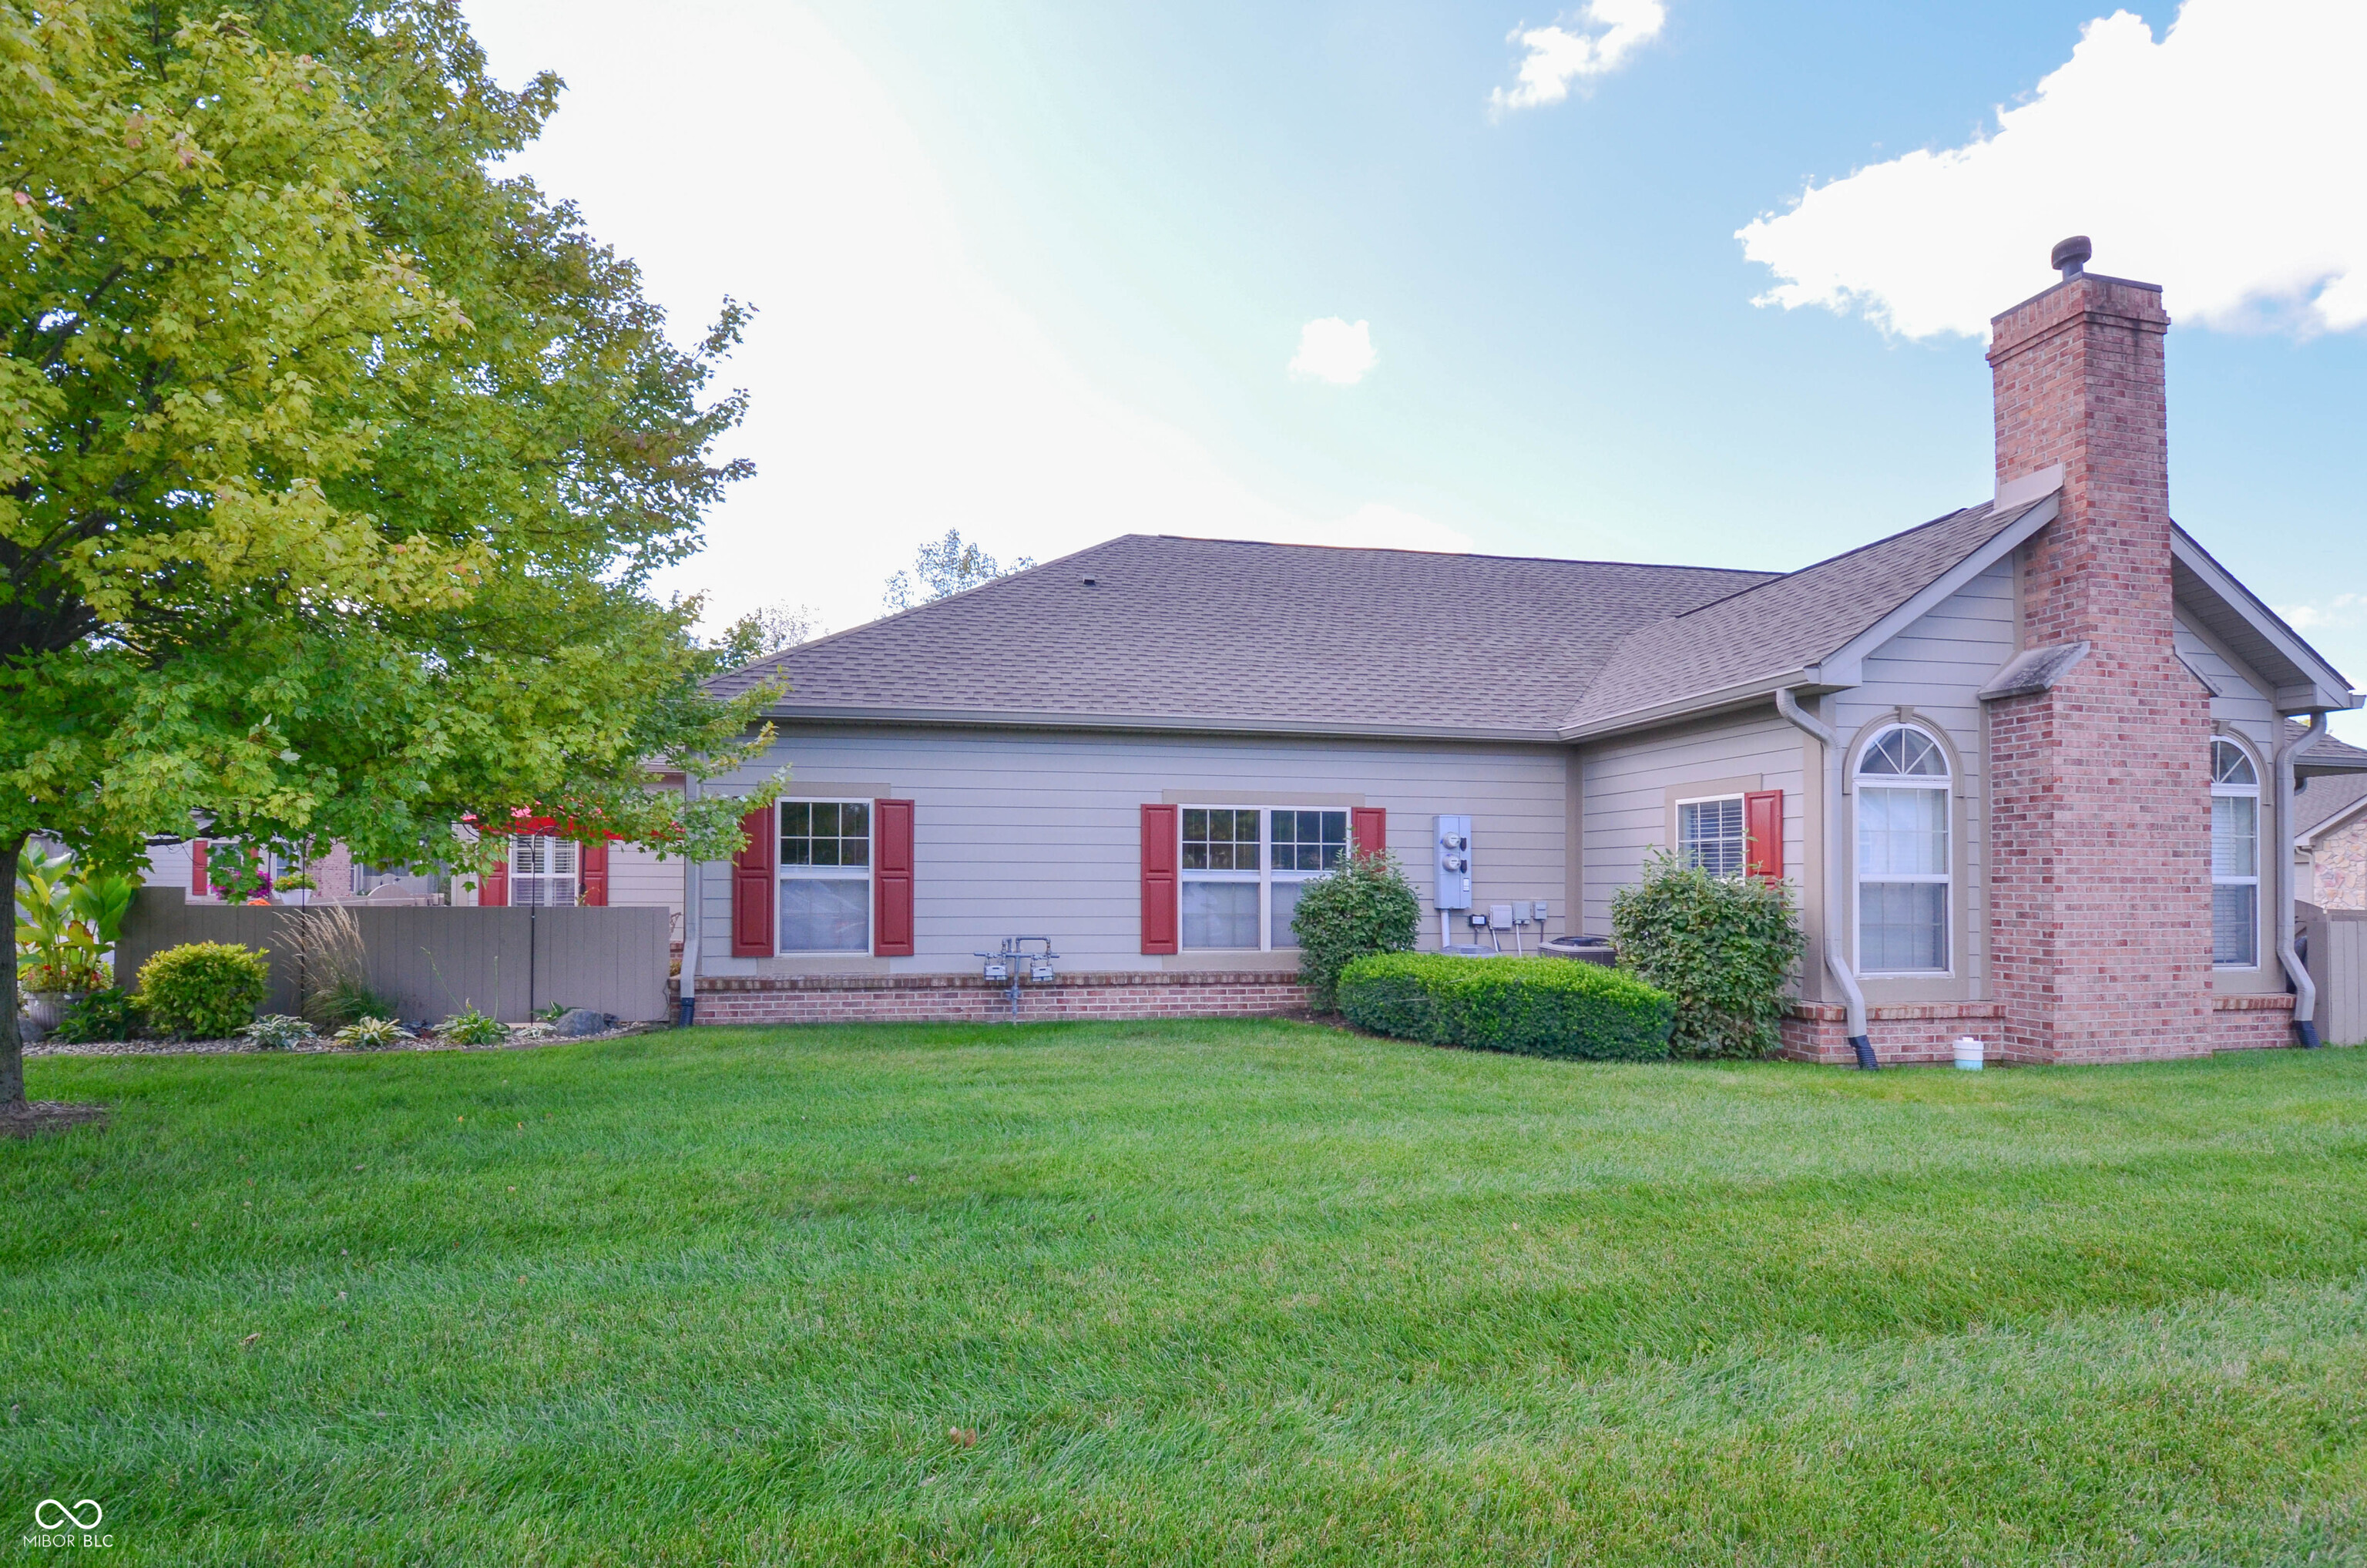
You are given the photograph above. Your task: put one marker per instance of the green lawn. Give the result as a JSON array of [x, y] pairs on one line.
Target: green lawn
[[1187, 1293]]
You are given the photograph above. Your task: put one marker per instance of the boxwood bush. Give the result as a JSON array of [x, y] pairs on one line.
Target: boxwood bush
[[203, 990], [1532, 1006], [1723, 946]]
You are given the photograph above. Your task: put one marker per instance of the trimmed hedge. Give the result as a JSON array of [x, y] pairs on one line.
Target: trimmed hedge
[[1530, 1006]]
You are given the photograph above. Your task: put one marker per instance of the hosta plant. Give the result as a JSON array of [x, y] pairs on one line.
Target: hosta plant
[[374, 1034], [277, 1031]]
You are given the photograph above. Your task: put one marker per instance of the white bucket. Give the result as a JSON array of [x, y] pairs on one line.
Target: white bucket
[[1968, 1053]]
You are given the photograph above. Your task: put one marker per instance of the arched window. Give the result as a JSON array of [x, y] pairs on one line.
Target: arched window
[[2235, 858], [1903, 859]]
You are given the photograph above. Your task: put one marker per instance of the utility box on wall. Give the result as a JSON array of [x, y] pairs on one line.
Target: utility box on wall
[[1451, 850]]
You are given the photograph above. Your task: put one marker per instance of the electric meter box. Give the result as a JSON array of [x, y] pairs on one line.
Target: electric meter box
[[1451, 852]]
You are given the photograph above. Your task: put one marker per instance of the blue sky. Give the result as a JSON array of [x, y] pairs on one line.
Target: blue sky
[[1040, 270]]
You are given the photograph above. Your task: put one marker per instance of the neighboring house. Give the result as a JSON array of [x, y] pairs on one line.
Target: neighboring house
[[2021, 764], [540, 870], [2330, 843]]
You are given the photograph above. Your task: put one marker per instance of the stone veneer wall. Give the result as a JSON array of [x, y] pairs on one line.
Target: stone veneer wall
[[967, 998], [2340, 862], [2100, 789]]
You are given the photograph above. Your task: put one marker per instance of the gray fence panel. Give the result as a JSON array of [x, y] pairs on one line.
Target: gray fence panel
[[603, 958], [2337, 962], [432, 961]]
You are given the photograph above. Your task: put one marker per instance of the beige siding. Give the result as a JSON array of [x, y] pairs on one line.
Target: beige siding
[[2245, 710], [1627, 785], [1039, 832], [1934, 670], [638, 877]]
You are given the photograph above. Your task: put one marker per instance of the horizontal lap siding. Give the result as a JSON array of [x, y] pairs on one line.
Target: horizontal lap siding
[[2245, 706], [1038, 834], [1627, 786], [1936, 668]]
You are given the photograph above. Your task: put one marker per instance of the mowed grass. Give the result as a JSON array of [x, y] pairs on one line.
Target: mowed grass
[[1187, 1293]]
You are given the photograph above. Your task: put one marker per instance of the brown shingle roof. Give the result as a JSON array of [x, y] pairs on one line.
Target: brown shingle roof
[[1774, 628], [1240, 635]]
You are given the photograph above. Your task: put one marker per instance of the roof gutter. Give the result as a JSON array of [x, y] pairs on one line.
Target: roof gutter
[[1758, 689], [973, 718], [2305, 1012], [1835, 961]]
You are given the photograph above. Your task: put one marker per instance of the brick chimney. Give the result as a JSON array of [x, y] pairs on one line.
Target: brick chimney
[[2100, 786]]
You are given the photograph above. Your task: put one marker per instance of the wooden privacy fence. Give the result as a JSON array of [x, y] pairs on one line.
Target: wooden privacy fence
[[2337, 963], [432, 961]]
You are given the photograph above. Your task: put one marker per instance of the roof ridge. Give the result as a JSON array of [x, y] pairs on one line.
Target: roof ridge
[[1828, 561], [1458, 554]]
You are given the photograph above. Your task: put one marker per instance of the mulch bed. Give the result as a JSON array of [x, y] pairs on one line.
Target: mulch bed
[[48, 1116], [523, 1037]]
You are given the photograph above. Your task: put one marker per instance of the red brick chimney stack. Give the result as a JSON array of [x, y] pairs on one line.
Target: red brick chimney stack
[[2100, 829]]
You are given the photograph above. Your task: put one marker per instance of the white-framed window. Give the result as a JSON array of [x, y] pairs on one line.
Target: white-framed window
[[826, 877], [2235, 858], [1904, 868], [1710, 835], [1243, 866], [543, 871]]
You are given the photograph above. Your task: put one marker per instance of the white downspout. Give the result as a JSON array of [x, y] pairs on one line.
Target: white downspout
[[2305, 1012], [1836, 825]]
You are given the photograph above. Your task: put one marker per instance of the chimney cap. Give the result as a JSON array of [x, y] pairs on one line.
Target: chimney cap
[[2070, 256]]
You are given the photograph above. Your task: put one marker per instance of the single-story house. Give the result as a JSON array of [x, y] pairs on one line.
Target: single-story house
[[2028, 765]]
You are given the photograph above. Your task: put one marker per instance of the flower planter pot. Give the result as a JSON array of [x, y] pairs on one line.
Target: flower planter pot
[[42, 1012]]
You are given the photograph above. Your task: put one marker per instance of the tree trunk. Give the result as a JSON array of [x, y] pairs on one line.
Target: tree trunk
[[12, 1043]]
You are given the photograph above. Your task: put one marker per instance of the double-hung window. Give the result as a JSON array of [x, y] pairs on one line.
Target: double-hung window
[[2235, 858], [544, 869], [1903, 864], [1244, 868], [825, 876], [1710, 835]]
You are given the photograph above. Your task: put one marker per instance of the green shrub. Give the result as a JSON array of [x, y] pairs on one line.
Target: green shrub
[[1531, 1006], [108, 1015], [1723, 946], [203, 990], [277, 1031], [474, 1027], [1365, 906], [373, 1034]]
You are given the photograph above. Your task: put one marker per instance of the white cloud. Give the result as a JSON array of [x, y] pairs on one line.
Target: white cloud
[[1332, 351], [1557, 56], [2224, 161], [2339, 613], [896, 390]]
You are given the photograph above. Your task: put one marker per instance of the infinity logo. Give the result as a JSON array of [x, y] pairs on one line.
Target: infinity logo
[[52, 1514]]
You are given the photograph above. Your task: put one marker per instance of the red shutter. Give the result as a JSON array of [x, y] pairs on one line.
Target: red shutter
[[1369, 829], [493, 887], [198, 887], [1762, 825], [891, 879], [592, 865], [1162, 844], [753, 897]]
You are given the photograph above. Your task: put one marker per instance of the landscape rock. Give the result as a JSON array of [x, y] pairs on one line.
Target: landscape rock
[[581, 1021]]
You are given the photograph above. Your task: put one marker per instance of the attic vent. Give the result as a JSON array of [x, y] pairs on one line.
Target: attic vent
[[1092, 582]]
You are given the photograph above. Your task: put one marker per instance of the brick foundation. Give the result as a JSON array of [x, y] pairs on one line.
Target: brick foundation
[[1926, 1034], [2251, 1023], [968, 998], [1903, 1035]]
